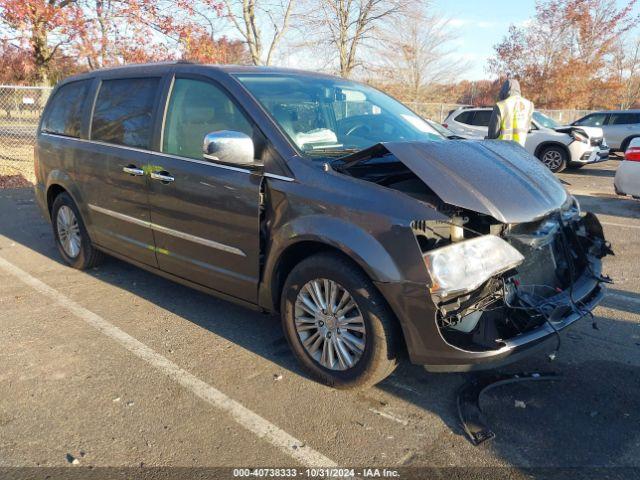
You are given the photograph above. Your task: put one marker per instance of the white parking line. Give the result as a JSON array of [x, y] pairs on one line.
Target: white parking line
[[390, 416], [611, 224], [241, 414]]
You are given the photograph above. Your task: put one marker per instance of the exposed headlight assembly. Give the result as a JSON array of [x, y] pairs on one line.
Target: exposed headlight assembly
[[579, 136], [464, 266]]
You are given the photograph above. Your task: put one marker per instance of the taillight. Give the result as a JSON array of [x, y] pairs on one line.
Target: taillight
[[445, 125], [632, 154]]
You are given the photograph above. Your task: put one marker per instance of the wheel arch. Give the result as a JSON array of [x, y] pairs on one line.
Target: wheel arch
[[287, 249], [540, 148], [625, 143], [53, 191], [58, 182]]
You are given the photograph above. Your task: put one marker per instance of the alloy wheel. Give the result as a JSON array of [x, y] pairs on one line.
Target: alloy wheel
[[552, 159], [68, 231], [330, 324]]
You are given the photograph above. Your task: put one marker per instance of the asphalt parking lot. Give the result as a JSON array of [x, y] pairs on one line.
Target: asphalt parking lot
[[116, 367]]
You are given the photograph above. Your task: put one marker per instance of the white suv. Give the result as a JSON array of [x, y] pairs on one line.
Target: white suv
[[556, 146]]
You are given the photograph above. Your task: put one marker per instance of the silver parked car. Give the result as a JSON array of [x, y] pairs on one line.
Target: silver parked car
[[627, 181], [619, 126]]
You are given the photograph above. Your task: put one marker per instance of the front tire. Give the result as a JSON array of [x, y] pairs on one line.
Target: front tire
[[71, 236], [554, 158], [337, 323]]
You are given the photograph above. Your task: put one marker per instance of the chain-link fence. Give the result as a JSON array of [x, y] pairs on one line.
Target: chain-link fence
[[433, 111], [20, 109], [439, 111], [565, 117]]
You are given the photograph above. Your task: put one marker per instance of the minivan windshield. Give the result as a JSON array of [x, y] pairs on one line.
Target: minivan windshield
[[331, 116], [545, 121]]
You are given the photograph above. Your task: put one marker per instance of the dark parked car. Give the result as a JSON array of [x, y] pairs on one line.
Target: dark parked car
[[326, 201]]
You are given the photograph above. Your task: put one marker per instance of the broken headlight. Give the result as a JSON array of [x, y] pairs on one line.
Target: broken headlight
[[464, 266]]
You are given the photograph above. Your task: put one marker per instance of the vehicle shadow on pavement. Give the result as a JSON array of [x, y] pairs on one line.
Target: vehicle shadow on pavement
[[618, 302], [610, 205], [589, 418], [591, 172]]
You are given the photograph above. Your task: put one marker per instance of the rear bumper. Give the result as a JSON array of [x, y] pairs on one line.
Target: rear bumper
[[627, 181], [41, 199]]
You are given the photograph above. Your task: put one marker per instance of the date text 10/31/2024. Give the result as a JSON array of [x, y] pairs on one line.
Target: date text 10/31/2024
[[316, 472]]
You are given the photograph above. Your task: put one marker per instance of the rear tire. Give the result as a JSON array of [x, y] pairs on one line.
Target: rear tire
[[71, 236], [371, 345], [554, 158]]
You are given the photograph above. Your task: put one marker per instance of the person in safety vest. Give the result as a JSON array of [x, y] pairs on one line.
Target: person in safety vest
[[511, 117]]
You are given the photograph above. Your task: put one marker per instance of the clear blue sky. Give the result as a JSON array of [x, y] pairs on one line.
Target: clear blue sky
[[480, 24]]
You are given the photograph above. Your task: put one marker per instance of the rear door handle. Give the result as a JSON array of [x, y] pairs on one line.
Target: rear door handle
[[133, 170], [164, 177]]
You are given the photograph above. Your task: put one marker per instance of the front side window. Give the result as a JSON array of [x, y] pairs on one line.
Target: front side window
[[595, 120], [195, 109], [123, 113], [331, 116], [65, 113]]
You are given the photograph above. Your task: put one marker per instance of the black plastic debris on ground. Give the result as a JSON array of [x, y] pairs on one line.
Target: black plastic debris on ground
[[469, 410]]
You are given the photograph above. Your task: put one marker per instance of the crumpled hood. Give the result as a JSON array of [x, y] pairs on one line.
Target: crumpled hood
[[591, 132], [497, 178]]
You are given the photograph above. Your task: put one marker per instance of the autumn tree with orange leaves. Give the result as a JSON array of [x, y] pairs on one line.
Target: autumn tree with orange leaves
[[99, 33], [564, 57]]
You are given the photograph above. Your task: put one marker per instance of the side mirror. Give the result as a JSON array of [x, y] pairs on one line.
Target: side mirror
[[226, 146]]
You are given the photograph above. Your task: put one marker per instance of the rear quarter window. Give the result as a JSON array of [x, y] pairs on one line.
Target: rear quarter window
[[624, 118], [64, 115], [465, 117], [481, 118], [123, 113]]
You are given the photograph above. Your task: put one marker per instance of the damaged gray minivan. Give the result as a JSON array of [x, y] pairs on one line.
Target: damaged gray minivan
[[323, 200]]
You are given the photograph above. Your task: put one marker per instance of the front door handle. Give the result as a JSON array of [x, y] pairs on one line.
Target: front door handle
[[133, 170], [164, 177]]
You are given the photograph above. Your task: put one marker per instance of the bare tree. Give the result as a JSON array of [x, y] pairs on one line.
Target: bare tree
[[348, 25], [415, 53], [626, 72], [250, 16]]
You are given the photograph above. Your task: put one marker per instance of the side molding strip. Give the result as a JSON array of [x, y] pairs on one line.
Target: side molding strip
[[169, 231]]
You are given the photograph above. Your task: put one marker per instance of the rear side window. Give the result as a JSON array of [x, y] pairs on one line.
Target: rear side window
[[624, 118], [123, 113], [64, 116], [465, 117], [481, 118]]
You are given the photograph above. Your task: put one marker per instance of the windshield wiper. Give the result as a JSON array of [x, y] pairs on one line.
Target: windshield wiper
[[341, 152]]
